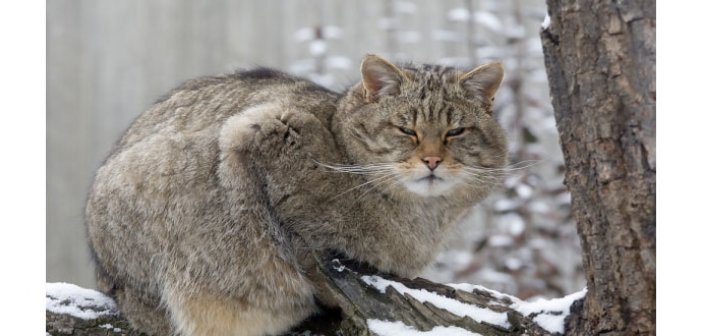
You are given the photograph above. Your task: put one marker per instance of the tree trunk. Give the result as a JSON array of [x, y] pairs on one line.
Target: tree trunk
[[600, 59]]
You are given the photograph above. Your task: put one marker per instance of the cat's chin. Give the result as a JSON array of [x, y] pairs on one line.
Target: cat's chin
[[429, 186]]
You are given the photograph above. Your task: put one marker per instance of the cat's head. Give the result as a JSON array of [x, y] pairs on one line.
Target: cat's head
[[427, 130]]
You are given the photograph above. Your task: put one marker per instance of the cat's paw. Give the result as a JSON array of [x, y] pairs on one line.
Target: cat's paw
[[254, 129], [308, 131], [273, 132]]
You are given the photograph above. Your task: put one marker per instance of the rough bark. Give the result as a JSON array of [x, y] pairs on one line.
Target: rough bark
[[108, 325], [600, 59], [359, 302]]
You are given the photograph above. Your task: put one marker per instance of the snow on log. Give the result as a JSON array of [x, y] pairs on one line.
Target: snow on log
[[72, 310], [371, 303]]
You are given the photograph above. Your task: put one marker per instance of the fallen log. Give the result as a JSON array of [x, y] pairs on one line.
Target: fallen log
[[371, 303]]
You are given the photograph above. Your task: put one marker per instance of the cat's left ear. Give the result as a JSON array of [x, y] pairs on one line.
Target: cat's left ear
[[483, 80], [380, 77]]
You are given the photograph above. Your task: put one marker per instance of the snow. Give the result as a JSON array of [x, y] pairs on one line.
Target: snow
[[453, 306], [548, 314], [387, 328], [547, 22], [506, 204], [524, 191], [563, 198], [110, 327], [87, 304], [552, 323], [513, 264], [552, 305], [513, 222], [339, 268], [65, 298], [470, 288], [539, 207], [318, 47], [500, 241]]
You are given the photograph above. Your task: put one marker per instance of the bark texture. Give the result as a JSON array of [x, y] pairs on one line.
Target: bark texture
[[600, 59]]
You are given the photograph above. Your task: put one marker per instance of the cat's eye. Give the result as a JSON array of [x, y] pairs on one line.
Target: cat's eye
[[455, 131], [407, 131]]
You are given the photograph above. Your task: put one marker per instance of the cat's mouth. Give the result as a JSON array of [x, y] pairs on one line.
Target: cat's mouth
[[429, 185], [431, 178]]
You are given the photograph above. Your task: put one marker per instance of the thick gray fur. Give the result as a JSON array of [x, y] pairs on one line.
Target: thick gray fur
[[201, 218]]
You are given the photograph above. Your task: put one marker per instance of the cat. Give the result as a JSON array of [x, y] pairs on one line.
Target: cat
[[202, 218]]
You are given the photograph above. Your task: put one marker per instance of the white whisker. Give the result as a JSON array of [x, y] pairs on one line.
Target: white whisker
[[385, 176], [374, 168], [486, 179], [392, 178], [515, 166]]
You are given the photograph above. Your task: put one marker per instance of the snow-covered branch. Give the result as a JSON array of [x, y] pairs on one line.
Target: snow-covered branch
[[371, 304]]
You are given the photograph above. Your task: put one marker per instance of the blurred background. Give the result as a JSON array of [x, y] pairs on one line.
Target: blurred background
[[109, 60]]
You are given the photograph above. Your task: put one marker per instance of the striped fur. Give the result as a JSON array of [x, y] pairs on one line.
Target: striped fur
[[202, 218]]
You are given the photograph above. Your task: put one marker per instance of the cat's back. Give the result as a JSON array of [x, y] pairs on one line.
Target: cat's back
[[203, 104], [166, 163]]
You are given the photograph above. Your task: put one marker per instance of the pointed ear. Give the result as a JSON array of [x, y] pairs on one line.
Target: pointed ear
[[380, 77], [483, 80]]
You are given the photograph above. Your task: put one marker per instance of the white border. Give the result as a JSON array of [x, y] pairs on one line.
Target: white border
[[23, 166], [679, 144]]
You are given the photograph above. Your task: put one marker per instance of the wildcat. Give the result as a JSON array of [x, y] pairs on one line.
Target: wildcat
[[202, 218]]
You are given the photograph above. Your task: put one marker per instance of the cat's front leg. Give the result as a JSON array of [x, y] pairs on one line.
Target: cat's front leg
[[283, 148]]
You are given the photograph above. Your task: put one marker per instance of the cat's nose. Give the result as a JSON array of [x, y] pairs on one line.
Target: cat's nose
[[432, 161]]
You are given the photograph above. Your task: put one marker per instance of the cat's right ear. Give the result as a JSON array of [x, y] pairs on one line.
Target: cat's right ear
[[484, 80], [380, 77]]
